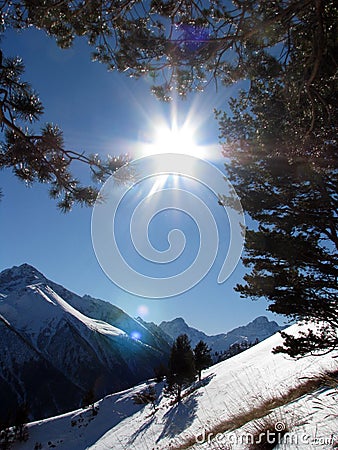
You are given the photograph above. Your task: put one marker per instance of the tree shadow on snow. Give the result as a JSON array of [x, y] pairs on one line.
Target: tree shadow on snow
[[205, 381], [141, 430], [179, 417]]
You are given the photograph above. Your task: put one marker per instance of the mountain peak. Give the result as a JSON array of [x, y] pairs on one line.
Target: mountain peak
[[177, 326], [18, 277], [24, 268], [261, 320], [179, 320]]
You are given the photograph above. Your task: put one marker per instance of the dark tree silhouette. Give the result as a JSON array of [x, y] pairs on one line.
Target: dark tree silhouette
[[160, 372], [202, 357], [181, 366]]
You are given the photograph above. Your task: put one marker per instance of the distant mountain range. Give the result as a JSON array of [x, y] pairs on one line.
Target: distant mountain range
[[260, 328], [56, 346]]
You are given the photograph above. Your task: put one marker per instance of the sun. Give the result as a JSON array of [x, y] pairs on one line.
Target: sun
[[172, 139]]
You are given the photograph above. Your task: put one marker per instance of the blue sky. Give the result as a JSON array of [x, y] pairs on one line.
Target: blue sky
[[109, 113]]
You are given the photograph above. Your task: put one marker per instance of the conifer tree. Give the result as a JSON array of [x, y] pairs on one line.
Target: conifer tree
[[20, 421], [281, 144], [160, 372], [42, 156], [89, 400], [181, 366], [202, 357]]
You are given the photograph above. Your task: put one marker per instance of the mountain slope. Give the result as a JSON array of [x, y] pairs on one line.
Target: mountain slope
[[260, 328], [20, 362], [229, 390], [45, 333], [16, 278]]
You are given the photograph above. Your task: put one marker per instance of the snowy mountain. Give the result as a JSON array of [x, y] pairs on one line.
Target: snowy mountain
[[57, 346], [260, 328], [12, 280], [236, 400]]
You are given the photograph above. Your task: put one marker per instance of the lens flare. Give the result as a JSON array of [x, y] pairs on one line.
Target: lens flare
[[136, 335], [143, 310]]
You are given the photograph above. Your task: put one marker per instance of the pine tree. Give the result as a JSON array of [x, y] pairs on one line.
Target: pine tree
[[42, 156], [160, 372], [280, 141], [202, 357], [181, 366], [20, 421], [180, 44], [89, 400]]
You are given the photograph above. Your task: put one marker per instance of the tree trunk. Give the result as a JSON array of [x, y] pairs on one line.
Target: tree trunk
[[179, 390]]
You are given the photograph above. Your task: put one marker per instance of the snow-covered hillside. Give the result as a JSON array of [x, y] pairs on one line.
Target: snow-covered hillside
[[252, 381]]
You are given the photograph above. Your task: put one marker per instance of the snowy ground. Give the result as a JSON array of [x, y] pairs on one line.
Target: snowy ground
[[230, 389]]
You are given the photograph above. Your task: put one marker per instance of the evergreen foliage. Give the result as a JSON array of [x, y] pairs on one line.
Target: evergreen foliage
[[89, 400], [237, 348], [202, 357], [281, 144], [20, 421], [14, 428], [179, 44], [181, 366], [160, 372], [42, 157]]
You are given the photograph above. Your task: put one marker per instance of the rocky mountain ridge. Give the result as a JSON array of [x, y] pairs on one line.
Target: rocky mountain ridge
[[259, 329]]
